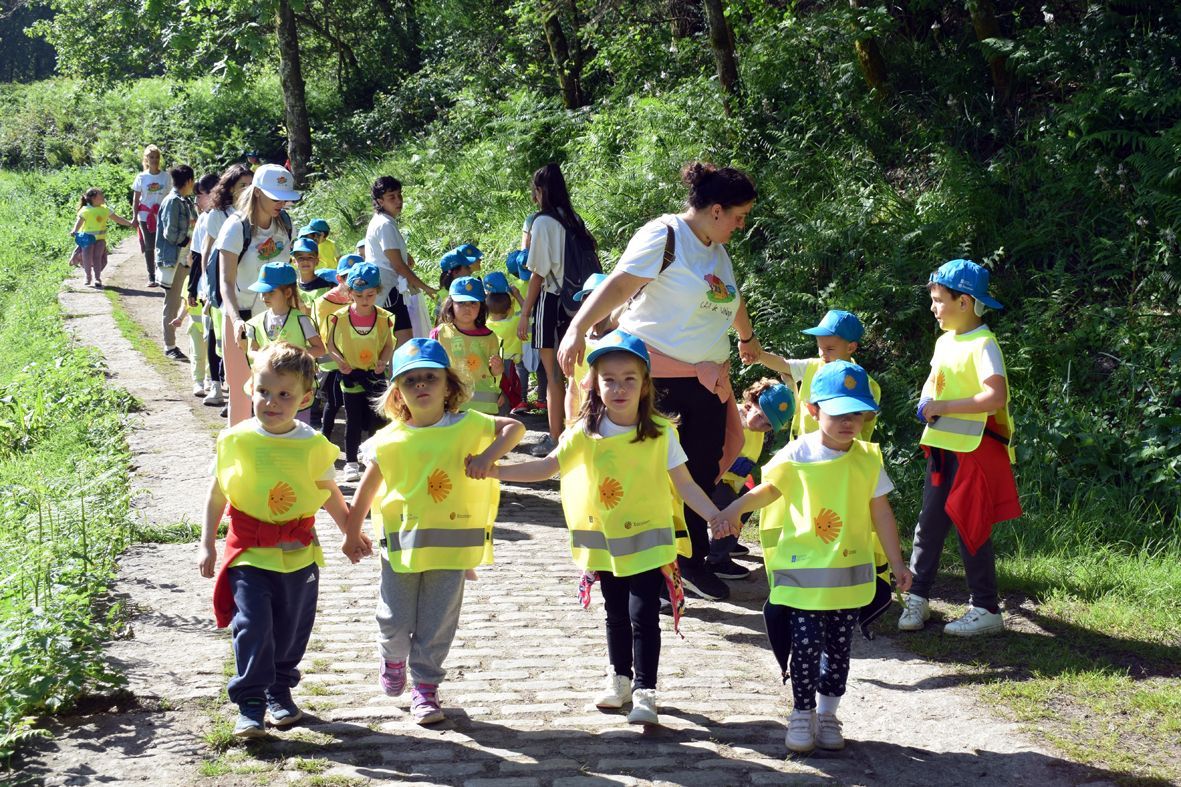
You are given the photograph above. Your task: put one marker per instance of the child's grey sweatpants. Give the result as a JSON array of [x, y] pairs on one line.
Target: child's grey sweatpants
[[417, 615]]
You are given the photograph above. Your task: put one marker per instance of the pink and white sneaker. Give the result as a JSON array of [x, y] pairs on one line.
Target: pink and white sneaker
[[392, 677], [424, 703]]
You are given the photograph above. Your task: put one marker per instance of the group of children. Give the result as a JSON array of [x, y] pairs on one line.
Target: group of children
[[436, 408]]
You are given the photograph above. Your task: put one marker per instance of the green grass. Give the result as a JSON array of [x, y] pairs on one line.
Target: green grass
[[134, 333]]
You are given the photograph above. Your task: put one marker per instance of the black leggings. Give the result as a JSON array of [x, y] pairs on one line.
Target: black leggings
[[703, 433], [360, 418], [333, 400], [633, 624], [211, 355]]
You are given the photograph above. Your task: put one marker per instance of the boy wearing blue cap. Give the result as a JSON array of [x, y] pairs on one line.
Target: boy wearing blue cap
[[967, 439], [305, 256], [837, 337], [825, 494], [473, 348], [317, 230]]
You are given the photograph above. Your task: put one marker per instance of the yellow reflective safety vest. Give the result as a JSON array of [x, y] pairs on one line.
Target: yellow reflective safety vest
[[622, 510], [506, 331], [361, 350], [274, 479], [954, 368], [321, 308], [803, 422], [469, 358], [290, 332], [824, 556], [433, 516], [752, 449]]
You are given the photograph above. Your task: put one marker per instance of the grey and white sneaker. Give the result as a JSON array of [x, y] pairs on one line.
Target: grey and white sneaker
[[352, 472], [914, 613], [976, 621], [801, 731], [544, 447], [828, 732], [643, 707]]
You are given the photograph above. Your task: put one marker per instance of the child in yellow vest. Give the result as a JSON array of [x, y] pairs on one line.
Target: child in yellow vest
[[361, 341], [327, 304], [275, 474], [318, 230], [767, 406], [305, 257], [473, 348], [283, 319], [826, 493], [837, 338], [504, 315], [90, 235], [623, 475], [434, 503], [967, 437]]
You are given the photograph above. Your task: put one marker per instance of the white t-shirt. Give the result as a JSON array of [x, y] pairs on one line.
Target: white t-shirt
[[685, 311], [199, 232], [266, 245], [810, 448], [152, 188], [676, 454], [367, 452], [547, 252], [301, 432], [383, 234], [214, 220], [273, 324]]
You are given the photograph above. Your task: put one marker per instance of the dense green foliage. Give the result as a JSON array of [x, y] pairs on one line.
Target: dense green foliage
[[63, 460]]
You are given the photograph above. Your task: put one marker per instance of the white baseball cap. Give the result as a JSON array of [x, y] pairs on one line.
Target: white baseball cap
[[276, 182]]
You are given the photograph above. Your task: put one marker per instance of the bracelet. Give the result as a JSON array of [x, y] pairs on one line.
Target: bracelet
[[747, 339]]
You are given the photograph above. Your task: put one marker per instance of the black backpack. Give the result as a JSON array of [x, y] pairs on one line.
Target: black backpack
[[581, 260], [213, 264]]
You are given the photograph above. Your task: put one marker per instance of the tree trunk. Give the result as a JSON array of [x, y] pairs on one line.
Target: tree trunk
[[985, 23], [567, 64], [299, 130], [721, 40], [869, 56]]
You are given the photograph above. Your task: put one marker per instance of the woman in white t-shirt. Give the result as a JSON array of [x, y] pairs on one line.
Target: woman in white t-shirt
[[385, 247], [261, 205], [545, 237], [684, 312], [147, 192]]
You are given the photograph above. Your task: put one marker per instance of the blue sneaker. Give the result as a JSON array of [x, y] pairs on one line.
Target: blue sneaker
[[284, 712], [251, 714]]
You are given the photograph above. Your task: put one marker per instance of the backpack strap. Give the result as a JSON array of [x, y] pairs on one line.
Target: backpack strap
[[670, 248]]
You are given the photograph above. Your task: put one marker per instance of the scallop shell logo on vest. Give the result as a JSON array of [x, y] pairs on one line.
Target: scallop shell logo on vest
[[827, 525], [940, 383], [610, 493], [850, 382]]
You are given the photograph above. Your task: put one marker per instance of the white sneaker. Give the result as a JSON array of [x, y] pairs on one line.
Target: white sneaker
[[976, 620], [213, 397], [801, 731], [617, 693], [828, 732], [352, 472], [643, 707], [914, 613], [198, 389]]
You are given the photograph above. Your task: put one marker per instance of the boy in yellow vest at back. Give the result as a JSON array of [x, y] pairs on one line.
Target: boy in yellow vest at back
[[837, 337], [967, 438], [275, 473], [826, 492]]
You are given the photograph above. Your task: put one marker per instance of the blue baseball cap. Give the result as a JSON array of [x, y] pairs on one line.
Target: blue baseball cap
[[517, 264], [966, 276], [592, 281], [496, 282], [470, 251], [418, 354], [273, 275], [778, 403], [327, 275], [467, 289], [839, 323], [841, 388], [620, 341], [319, 225], [364, 276], [305, 231], [347, 261], [305, 246], [452, 260]]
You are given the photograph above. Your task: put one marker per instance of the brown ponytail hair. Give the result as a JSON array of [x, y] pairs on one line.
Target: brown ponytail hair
[[709, 185]]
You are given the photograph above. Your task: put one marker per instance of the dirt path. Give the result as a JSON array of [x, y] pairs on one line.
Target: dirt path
[[525, 660]]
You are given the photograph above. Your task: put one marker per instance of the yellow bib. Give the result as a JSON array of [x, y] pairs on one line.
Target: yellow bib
[[506, 331], [433, 516], [321, 308], [824, 555], [256, 333], [803, 422], [621, 508], [361, 350], [469, 358], [752, 449], [274, 479], [954, 367]]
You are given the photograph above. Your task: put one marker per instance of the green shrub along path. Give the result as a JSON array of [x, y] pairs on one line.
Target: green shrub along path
[[523, 666]]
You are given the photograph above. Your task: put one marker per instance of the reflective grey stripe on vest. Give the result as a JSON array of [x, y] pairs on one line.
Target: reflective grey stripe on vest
[[292, 546], [849, 576], [435, 537], [484, 396], [952, 425], [622, 547]]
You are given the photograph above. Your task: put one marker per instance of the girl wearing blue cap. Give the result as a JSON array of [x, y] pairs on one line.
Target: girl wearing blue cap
[[473, 348], [825, 495], [361, 341], [968, 441], [433, 503], [623, 476]]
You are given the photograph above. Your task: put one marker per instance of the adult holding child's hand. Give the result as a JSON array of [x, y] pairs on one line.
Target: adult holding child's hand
[[677, 286]]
